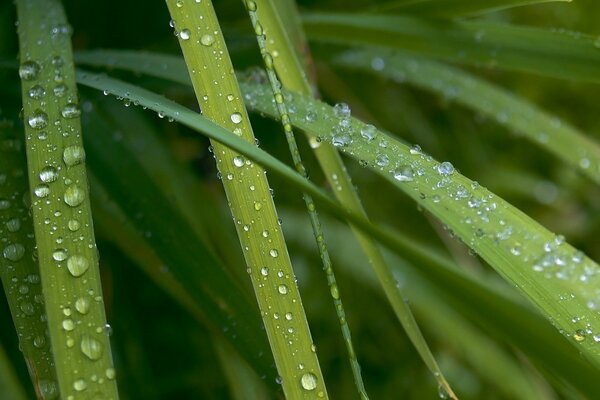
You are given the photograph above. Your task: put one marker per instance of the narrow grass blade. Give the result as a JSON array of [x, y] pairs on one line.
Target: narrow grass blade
[[514, 112], [505, 319], [159, 230], [10, 387], [572, 56], [294, 78], [321, 243], [19, 270], [251, 204], [452, 8], [66, 248]]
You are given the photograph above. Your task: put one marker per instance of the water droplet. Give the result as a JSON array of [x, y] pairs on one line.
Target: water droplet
[[74, 195], [236, 118], [207, 40], [274, 253], [341, 111], [404, 174], [13, 225], [90, 347], [38, 120], [110, 372], [264, 271], [73, 155], [48, 174], [445, 168], [82, 305], [257, 205], [308, 381], [14, 252], [39, 341], [77, 265], [71, 110], [48, 389], [73, 225], [368, 132], [579, 335], [238, 161], [68, 325], [184, 34], [282, 289], [41, 191], [59, 255], [36, 92], [335, 293], [60, 90], [29, 70], [80, 385], [288, 316]]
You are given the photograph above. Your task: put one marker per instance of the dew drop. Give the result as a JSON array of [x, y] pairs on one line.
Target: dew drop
[[60, 90], [74, 196], [282, 289], [68, 325], [445, 168], [368, 132], [73, 155], [274, 253], [236, 118], [38, 120], [341, 110], [184, 34], [41, 191], [39, 341], [29, 70], [14, 252], [48, 174], [48, 389], [59, 255], [13, 225], [207, 40], [36, 92], [264, 271], [404, 174], [77, 265], [90, 347], [73, 225], [71, 110], [110, 372], [308, 381], [238, 161], [80, 385]]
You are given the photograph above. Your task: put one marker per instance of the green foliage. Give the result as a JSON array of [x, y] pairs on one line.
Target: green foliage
[[502, 281]]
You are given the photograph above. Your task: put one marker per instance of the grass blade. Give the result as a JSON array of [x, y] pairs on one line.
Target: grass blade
[[251, 203], [514, 112], [553, 53], [284, 118], [20, 274], [62, 219], [453, 8], [10, 387]]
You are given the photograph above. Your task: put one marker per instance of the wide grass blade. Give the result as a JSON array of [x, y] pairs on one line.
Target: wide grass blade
[[64, 236], [10, 387], [453, 8], [566, 55], [250, 201], [509, 110], [504, 320]]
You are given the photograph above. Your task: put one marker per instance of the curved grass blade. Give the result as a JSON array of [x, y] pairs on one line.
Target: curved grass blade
[[19, 270], [514, 112], [250, 200], [10, 387], [477, 300], [455, 8], [159, 230], [64, 235], [572, 56], [284, 118]]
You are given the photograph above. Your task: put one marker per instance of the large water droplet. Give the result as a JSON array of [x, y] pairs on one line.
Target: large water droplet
[[368, 132], [73, 155], [445, 168], [74, 195], [207, 40], [309, 381], [13, 225], [238, 161], [29, 70], [77, 265], [184, 34], [14, 252], [41, 191], [80, 385], [91, 347], [38, 120], [236, 118], [59, 255], [48, 174], [36, 92], [71, 110], [404, 174], [82, 305]]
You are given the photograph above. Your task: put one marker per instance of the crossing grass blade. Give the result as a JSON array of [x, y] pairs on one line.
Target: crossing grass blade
[[250, 201], [515, 113], [64, 236], [565, 55], [453, 8], [507, 319]]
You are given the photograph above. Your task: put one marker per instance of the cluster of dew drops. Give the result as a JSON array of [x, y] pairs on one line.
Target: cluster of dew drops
[[52, 178]]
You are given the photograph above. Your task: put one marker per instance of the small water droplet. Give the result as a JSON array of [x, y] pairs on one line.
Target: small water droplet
[[71, 110], [73, 155], [13, 225], [184, 34], [91, 348], [282, 289], [445, 168], [236, 118], [404, 174], [14, 252], [274, 253], [368, 132], [342, 111], [36, 92], [29, 70], [77, 265], [68, 325], [59, 255], [74, 196], [60, 90], [73, 225], [80, 385], [48, 174], [238, 161], [38, 120], [41, 191], [82, 305], [264, 271], [207, 40]]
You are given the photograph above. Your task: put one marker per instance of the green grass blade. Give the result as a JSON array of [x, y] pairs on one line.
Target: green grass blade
[[453, 8], [505, 319], [284, 118], [294, 77], [10, 387], [250, 201], [19, 271], [572, 56], [517, 114], [163, 231], [64, 235]]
